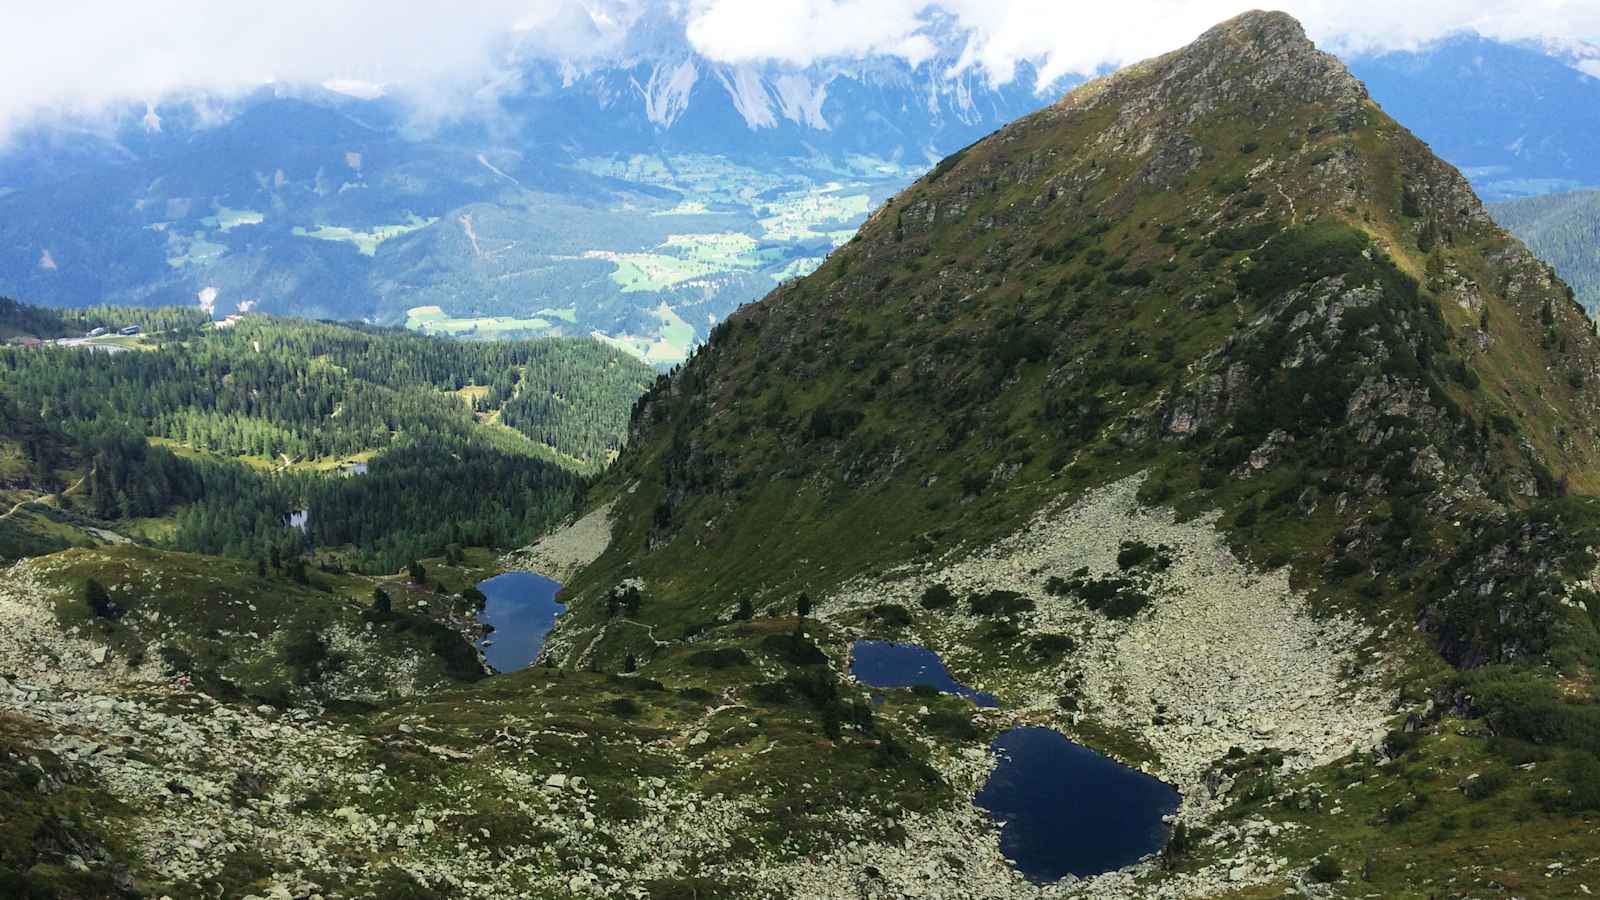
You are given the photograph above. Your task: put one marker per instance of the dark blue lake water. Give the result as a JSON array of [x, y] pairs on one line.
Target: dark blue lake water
[[1067, 809], [885, 664], [522, 608]]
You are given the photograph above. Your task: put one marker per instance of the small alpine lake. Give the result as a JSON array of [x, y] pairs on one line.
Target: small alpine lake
[[885, 664], [521, 607], [1065, 810], [1062, 808]]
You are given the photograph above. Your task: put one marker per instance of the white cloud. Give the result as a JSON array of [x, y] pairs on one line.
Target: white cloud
[[1087, 37], [801, 31], [79, 57]]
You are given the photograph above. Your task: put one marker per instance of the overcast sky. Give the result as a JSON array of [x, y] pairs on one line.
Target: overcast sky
[[71, 57]]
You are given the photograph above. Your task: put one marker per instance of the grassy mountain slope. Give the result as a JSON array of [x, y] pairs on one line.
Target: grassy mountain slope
[[1221, 254], [1563, 229]]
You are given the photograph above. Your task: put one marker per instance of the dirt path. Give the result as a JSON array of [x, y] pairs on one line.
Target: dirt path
[[47, 497]]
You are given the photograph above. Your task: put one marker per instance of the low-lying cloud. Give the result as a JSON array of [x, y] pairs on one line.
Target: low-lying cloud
[[75, 60], [1085, 38]]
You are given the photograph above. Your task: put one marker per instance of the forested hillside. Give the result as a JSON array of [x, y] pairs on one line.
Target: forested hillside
[[22, 320], [1564, 231], [219, 435]]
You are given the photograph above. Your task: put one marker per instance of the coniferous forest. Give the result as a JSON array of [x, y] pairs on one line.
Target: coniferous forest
[[221, 434]]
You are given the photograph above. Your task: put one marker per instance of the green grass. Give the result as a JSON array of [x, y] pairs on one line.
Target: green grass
[[568, 314], [433, 320], [193, 250], [670, 344], [681, 258], [227, 219], [1417, 826], [365, 241], [803, 216]]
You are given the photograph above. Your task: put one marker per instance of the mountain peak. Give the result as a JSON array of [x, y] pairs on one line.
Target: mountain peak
[[1255, 55], [1267, 28], [1224, 267]]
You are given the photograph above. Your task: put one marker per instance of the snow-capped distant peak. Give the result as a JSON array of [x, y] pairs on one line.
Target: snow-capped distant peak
[[355, 87]]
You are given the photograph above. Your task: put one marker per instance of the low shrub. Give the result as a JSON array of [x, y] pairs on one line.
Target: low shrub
[[1487, 784], [952, 724], [891, 615], [1134, 554], [794, 649], [937, 596], [1325, 870], [1003, 632], [999, 603], [99, 600], [1051, 646]]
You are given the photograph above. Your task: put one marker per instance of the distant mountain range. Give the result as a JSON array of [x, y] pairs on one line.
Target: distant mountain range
[[641, 197], [644, 197], [1517, 119]]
